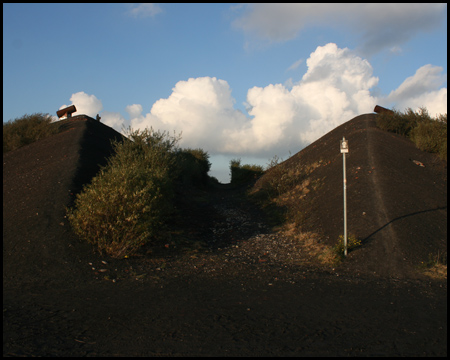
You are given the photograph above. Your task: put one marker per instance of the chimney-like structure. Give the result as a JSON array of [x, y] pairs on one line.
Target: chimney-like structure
[[66, 112], [379, 109]]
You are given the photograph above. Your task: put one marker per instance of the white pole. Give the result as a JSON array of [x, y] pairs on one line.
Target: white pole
[[345, 204]]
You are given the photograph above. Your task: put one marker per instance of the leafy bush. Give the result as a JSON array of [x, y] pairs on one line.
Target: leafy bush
[[427, 133], [431, 136], [125, 205], [243, 173], [401, 123], [26, 130], [194, 166]]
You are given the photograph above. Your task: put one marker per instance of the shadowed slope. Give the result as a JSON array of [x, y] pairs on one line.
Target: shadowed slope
[[39, 181]]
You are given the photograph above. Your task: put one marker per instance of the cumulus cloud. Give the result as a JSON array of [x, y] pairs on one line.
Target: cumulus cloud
[[334, 89], [422, 89], [113, 119], [380, 25], [200, 108], [144, 10], [134, 110], [85, 104]]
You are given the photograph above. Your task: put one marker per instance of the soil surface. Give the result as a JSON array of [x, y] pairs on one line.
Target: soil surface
[[224, 282]]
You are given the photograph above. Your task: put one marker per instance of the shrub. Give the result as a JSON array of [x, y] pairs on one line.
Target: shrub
[[431, 136], [126, 204], [243, 173], [26, 130], [398, 122], [193, 166], [427, 133]]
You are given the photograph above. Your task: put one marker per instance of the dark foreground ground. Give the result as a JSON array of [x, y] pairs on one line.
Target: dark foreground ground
[[320, 315], [62, 299]]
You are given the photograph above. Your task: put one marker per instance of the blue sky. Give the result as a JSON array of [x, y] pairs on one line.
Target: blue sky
[[238, 80]]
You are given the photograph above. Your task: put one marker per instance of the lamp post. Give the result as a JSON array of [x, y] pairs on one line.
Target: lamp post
[[344, 150]]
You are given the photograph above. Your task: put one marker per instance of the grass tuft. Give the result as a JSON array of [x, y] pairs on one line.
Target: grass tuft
[[436, 266]]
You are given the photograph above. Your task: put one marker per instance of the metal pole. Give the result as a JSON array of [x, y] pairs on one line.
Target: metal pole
[[345, 205]]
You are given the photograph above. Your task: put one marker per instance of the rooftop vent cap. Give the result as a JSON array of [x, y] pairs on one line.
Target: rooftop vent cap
[[66, 112], [379, 109]]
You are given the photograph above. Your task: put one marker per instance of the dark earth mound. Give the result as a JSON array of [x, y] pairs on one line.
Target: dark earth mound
[[62, 299], [397, 208]]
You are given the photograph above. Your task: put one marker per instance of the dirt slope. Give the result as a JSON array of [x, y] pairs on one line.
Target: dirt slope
[[39, 181], [396, 207]]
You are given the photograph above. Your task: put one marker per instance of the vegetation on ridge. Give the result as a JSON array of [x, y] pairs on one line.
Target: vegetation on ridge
[[26, 130], [243, 173], [429, 134], [129, 202]]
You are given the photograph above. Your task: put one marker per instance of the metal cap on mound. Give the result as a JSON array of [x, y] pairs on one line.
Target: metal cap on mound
[[66, 112]]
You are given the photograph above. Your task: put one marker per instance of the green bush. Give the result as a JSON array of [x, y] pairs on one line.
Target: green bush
[[126, 204], [427, 133], [26, 130], [401, 123], [431, 136], [193, 166], [243, 173]]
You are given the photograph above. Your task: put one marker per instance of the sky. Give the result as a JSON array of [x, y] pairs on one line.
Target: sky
[[240, 81]]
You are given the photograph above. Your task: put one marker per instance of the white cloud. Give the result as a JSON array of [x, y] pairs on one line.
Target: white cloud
[[422, 89], [334, 89], [144, 10], [380, 25], [295, 65], [113, 119], [340, 68], [85, 104], [134, 110], [200, 108], [426, 78]]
